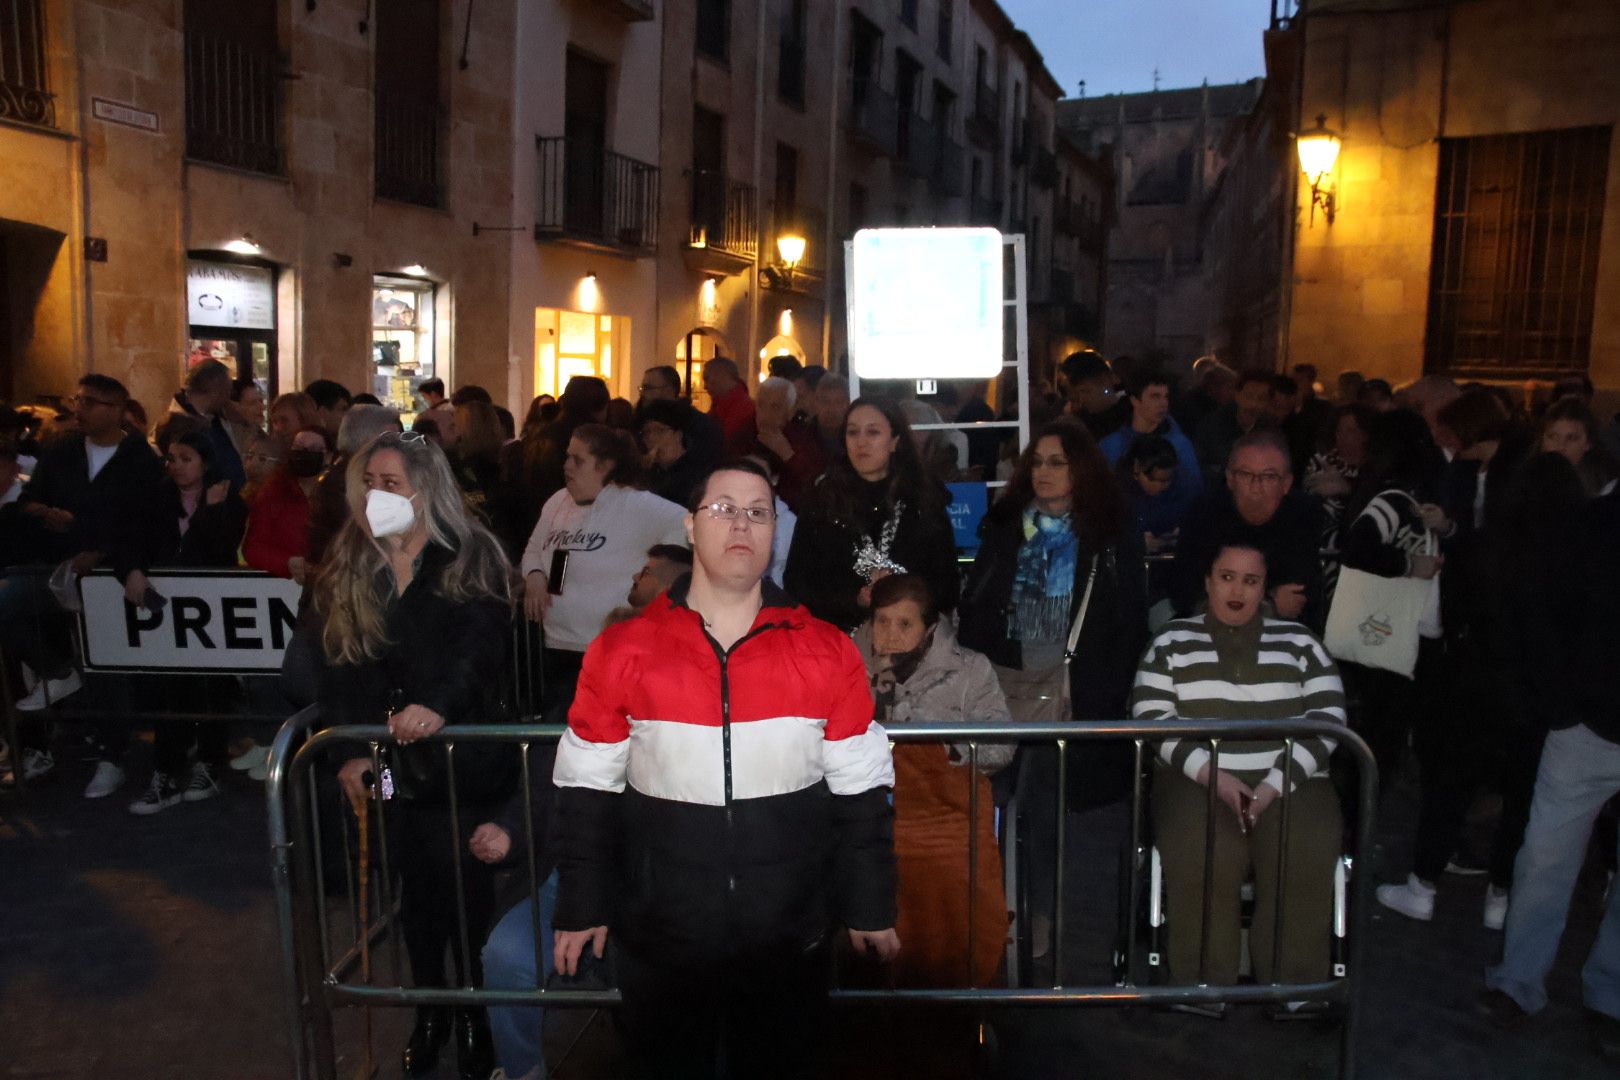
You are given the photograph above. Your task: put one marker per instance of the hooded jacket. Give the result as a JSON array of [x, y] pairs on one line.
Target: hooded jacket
[[717, 801]]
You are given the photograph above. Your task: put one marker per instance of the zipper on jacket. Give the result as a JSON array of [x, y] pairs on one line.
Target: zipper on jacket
[[724, 657]]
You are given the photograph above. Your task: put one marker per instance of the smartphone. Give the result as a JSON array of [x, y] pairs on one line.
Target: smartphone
[[559, 570], [154, 601]]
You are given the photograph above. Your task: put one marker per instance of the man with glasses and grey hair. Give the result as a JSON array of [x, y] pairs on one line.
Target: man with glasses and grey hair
[[1257, 501], [723, 803]]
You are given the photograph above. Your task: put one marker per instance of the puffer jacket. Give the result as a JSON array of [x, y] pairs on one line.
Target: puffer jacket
[[721, 801], [952, 685]]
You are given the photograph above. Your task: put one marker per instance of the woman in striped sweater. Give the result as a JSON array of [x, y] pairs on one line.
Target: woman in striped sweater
[[1234, 662]]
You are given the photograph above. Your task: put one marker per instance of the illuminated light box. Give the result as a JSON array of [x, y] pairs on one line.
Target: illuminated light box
[[926, 303]]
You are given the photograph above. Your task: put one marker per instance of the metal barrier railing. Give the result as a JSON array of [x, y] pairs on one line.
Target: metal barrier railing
[[316, 975]]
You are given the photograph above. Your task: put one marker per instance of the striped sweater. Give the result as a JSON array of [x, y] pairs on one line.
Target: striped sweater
[[1267, 669]]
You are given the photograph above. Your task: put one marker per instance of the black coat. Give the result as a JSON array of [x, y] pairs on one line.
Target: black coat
[[153, 537], [821, 572], [1596, 687], [102, 507], [1291, 541], [447, 656], [1111, 639]]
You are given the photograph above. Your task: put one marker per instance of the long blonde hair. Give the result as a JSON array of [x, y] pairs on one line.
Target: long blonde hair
[[350, 589]]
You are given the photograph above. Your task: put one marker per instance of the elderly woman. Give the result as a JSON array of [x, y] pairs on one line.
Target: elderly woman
[[1233, 662], [921, 673]]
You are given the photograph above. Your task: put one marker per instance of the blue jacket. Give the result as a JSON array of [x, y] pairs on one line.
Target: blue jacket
[[1161, 513]]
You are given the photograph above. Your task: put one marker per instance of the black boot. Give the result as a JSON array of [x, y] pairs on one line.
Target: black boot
[[427, 1039], [475, 1049]]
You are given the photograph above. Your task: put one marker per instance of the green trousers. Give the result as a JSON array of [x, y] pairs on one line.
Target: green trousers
[[1180, 808]]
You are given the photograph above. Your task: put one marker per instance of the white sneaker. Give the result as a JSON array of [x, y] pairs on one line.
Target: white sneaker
[[255, 755], [1412, 898], [161, 794], [50, 692], [36, 763], [1496, 905], [201, 784], [108, 779]]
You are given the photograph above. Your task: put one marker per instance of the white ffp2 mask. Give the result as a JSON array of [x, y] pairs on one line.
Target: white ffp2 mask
[[387, 513]]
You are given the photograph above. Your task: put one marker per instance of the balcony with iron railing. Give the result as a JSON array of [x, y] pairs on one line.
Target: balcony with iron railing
[[407, 164], [233, 103], [984, 120], [874, 117], [596, 199], [724, 232], [25, 96]]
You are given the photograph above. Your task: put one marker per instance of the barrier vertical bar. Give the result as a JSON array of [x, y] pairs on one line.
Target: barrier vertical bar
[[1062, 850], [1207, 915], [534, 882], [319, 1011], [1135, 883], [1282, 867], [281, 881], [320, 874], [973, 860], [455, 862], [385, 879], [1360, 901]]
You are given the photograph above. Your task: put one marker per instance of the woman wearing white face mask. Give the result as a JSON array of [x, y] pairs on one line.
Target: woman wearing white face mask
[[592, 537], [414, 599]]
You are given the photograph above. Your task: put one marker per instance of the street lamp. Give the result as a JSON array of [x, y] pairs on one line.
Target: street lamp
[[790, 248], [1318, 152]]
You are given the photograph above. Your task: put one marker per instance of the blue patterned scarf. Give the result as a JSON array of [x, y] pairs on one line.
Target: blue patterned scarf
[[1043, 584]]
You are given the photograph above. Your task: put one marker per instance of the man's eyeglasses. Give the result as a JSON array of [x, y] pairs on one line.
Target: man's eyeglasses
[[1254, 479], [267, 459], [759, 515], [84, 401]]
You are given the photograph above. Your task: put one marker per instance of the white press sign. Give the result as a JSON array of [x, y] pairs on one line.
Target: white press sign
[[208, 621]]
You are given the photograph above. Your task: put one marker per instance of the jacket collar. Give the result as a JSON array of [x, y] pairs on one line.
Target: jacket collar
[[776, 604]]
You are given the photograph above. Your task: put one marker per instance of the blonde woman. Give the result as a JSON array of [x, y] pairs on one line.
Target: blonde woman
[[414, 601]]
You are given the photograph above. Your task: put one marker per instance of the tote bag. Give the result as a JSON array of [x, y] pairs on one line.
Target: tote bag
[[1041, 695], [1377, 621]]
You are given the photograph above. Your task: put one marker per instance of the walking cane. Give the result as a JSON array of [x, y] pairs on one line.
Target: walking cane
[[362, 817]]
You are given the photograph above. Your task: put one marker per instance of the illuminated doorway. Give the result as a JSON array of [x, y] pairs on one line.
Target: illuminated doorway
[[569, 343]]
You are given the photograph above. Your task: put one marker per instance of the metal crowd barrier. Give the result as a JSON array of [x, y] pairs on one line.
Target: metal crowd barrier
[[146, 695], [320, 976]]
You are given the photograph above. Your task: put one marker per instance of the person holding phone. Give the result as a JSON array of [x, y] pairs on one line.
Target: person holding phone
[[591, 538], [196, 520], [1235, 662]]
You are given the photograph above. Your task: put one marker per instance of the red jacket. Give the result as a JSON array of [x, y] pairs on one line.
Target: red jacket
[[715, 801], [733, 411], [276, 528]]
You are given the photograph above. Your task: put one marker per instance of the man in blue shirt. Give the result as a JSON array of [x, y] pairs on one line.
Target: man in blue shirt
[[1148, 393]]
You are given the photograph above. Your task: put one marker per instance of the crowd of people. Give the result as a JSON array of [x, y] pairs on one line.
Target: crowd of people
[[735, 602]]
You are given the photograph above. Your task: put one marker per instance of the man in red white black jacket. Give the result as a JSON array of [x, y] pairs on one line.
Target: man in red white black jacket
[[723, 800]]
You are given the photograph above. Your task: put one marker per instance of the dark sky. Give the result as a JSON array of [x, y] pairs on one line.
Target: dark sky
[[1115, 44]]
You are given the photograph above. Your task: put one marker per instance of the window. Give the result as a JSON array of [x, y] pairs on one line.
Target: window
[[714, 29], [569, 343], [787, 178], [585, 110], [790, 54], [408, 120], [908, 13], [401, 341], [233, 84], [1513, 277], [24, 89], [945, 30]]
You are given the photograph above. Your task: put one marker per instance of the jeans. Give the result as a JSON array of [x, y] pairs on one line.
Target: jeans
[[1579, 772], [509, 965]]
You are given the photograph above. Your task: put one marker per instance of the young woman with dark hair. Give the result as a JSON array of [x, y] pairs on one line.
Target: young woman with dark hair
[[591, 538], [875, 512], [533, 466], [1059, 548], [1331, 476], [1569, 428], [196, 520]]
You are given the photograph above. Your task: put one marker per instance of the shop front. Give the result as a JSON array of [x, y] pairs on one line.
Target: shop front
[[231, 317], [403, 343]]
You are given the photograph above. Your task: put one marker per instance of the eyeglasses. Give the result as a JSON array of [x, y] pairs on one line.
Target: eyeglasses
[[266, 458], [84, 401], [1255, 479], [759, 515]]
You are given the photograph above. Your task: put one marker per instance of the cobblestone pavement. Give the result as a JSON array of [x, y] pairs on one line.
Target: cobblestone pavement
[[145, 948]]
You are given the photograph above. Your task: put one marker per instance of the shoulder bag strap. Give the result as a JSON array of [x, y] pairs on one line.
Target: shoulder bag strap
[[1080, 616]]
